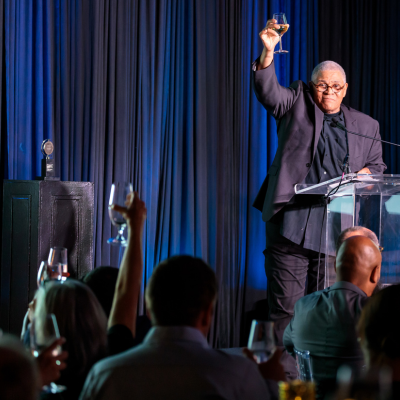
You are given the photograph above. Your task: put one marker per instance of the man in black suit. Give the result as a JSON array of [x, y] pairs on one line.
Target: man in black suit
[[324, 322], [310, 150]]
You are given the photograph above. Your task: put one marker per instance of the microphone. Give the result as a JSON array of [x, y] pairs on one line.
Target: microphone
[[335, 122], [346, 165]]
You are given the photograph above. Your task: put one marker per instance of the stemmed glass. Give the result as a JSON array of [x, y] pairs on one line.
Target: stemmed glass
[[43, 332], [58, 260], [284, 26], [262, 340], [119, 191], [45, 272]]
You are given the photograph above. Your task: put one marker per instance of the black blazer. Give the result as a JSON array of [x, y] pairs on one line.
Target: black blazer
[[299, 122]]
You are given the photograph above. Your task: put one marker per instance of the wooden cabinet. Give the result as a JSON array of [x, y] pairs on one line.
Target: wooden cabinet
[[38, 215]]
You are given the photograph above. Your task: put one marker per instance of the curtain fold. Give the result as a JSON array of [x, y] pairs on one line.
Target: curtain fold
[[157, 92]]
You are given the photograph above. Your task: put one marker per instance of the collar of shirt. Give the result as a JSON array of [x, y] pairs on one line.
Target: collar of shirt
[[329, 117], [162, 334], [347, 286]]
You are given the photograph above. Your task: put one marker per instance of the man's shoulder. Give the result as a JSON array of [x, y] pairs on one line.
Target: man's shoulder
[[148, 354], [360, 116], [300, 85]]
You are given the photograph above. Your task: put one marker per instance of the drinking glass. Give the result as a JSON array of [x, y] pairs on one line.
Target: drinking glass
[[284, 26], [119, 191], [262, 340], [43, 332], [58, 259]]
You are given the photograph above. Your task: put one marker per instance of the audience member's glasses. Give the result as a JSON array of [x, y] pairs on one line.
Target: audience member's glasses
[[323, 87], [43, 332], [262, 340], [119, 191]]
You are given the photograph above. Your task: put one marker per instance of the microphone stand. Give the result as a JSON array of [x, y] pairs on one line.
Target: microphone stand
[[342, 127]]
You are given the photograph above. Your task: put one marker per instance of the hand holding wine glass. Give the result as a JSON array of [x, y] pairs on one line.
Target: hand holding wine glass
[[118, 195], [134, 213], [46, 347], [271, 36]]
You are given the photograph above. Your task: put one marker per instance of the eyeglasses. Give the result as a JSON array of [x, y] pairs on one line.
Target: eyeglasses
[[323, 87]]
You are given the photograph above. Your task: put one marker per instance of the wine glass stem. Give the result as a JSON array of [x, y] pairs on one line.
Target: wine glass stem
[[280, 43]]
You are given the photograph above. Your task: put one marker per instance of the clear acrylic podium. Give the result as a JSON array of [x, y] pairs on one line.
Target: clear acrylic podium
[[371, 201]]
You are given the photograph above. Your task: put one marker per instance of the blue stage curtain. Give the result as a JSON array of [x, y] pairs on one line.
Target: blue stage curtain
[[157, 92], [370, 57]]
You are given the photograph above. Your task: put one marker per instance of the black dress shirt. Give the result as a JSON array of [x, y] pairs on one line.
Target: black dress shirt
[[300, 221]]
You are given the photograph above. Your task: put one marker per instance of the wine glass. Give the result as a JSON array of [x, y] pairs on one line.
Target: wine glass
[[43, 332], [45, 273], [119, 191], [262, 340], [284, 26], [58, 261]]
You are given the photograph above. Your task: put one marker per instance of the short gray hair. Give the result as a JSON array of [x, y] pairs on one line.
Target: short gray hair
[[327, 66], [366, 232]]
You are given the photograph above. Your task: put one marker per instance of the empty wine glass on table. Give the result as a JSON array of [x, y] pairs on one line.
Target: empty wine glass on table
[[43, 332], [119, 191], [262, 340], [58, 261], [284, 26]]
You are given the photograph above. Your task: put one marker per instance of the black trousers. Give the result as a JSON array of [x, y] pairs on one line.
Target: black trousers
[[292, 272]]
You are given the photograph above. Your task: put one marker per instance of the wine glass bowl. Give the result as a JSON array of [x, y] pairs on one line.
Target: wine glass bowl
[[262, 340], [283, 27], [118, 194], [58, 263]]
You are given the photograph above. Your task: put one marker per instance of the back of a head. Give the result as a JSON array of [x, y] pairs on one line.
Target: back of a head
[[379, 326], [179, 289], [356, 231], [19, 379], [102, 281], [81, 320], [356, 260]]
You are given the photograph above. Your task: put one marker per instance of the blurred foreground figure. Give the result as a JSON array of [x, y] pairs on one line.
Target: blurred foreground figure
[[175, 360], [19, 378], [379, 332]]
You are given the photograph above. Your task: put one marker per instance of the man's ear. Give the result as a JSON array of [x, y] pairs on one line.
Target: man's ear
[[376, 274], [345, 89]]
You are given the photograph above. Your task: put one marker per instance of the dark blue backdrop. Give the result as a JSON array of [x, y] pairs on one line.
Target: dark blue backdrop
[[158, 92]]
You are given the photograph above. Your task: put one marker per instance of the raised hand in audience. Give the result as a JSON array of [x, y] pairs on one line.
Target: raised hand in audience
[[126, 296], [49, 365]]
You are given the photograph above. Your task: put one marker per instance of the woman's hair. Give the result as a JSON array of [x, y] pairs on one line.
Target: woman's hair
[[81, 321], [379, 325]]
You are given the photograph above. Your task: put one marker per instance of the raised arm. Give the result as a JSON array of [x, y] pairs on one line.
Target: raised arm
[[124, 308], [276, 99]]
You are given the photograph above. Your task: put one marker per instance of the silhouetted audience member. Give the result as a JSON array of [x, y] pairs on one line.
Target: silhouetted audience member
[[81, 321], [102, 281], [19, 377], [379, 332], [324, 322], [175, 360]]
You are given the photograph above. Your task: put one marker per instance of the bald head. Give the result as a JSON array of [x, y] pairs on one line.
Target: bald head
[[359, 261]]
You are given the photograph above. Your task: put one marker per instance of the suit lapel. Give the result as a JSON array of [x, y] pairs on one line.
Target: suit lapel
[[319, 119], [351, 125]]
